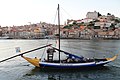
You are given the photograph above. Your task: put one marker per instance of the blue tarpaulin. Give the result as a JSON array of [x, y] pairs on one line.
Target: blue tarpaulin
[[73, 56]]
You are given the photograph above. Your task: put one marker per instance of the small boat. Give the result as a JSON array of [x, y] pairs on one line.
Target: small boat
[[72, 61], [4, 37]]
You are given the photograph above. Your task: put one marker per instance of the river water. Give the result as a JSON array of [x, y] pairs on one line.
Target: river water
[[19, 69]]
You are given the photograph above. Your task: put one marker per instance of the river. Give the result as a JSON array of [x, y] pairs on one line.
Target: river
[[19, 69]]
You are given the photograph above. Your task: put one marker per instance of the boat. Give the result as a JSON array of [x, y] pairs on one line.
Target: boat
[[72, 61], [4, 37]]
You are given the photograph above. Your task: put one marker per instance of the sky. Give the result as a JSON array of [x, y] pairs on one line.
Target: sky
[[22, 12]]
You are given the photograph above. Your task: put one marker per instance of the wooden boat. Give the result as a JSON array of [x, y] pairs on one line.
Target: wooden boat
[[76, 62], [73, 61]]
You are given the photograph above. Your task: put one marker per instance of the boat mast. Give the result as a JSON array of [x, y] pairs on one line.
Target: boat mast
[[59, 29]]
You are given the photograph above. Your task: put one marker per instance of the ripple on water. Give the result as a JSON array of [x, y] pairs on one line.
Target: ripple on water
[[19, 69]]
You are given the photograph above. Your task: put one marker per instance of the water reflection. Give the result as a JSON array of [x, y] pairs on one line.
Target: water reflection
[[77, 74], [52, 77]]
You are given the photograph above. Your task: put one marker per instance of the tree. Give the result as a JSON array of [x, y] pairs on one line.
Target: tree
[[74, 23], [112, 26], [108, 13], [0, 33], [99, 14], [91, 23], [117, 21], [96, 20]]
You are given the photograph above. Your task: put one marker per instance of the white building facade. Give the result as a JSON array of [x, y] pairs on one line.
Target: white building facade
[[92, 15]]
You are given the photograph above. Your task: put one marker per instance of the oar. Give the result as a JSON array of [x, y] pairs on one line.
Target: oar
[[26, 52]]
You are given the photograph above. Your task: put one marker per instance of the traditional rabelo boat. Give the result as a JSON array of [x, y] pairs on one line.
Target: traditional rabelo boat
[[72, 61]]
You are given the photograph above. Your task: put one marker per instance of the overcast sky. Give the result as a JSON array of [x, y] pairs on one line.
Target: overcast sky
[[20, 12]]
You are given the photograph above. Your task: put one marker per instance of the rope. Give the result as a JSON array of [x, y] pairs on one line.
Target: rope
[[56, 42], [67, 13], [55, 16], [48, 39], [69, 46], [44, 50]]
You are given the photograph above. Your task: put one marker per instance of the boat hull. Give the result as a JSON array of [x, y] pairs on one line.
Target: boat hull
[[44, 64], [72, 65]]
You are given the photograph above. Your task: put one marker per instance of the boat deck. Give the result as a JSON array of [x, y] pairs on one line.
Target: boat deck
[[76, 61]]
